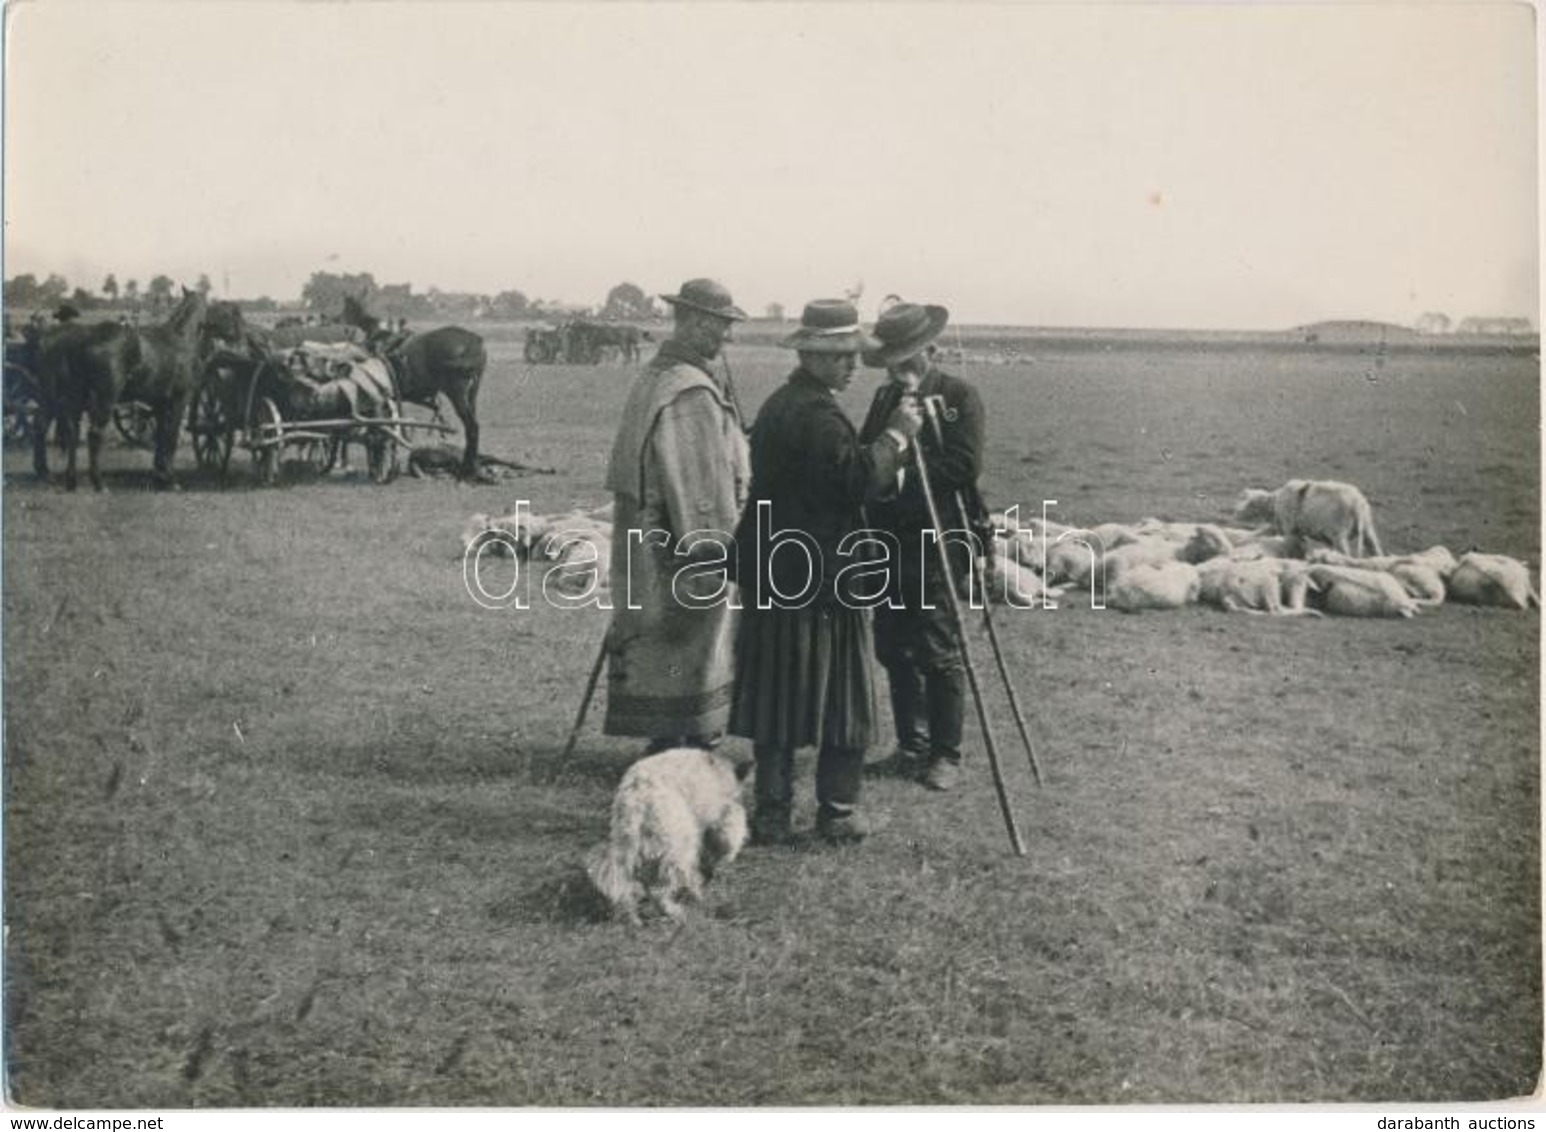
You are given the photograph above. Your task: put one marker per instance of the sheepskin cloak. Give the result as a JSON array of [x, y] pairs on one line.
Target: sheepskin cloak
[[679, 464]]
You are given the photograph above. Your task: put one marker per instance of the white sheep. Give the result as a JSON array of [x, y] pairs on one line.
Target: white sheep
[[1145, 586], [1436, 558], [1272, 586], [1322, 511], [1422, 574], [1276, 587], [1492, 579], [1011, 583], [1352, 592]]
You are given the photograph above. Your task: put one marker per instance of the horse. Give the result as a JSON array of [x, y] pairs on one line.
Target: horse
[[91, 368], [447, 360]]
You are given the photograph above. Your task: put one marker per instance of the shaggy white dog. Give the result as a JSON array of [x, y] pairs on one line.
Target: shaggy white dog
[[676, 817]]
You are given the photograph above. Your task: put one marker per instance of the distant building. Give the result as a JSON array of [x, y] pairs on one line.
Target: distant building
[[1475, 325], [1355, 330]]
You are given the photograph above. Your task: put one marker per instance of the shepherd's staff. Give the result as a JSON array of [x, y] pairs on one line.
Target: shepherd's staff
[[932, 410], [590, 691], [966, 656]]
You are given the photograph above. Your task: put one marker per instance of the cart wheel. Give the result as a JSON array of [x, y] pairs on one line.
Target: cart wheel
[[135, 423], [381, 445], [268, 435], [212, 429]]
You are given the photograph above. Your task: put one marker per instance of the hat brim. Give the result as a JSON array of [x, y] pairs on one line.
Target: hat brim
[[890, 353], [732, 313], [854, 342]]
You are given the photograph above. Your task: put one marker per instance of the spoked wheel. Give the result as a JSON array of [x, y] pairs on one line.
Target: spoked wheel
[[267, 437], [212, 429], [135, 423], [381, 444]]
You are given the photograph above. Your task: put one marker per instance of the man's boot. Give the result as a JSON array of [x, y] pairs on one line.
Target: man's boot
[[773, 796], [947, 715], [839, 773], [907, 713]]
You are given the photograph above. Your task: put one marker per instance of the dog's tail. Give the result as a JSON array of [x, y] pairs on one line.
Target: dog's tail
[[612, 875]]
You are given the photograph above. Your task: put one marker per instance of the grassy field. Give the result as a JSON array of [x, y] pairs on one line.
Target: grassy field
[[287, 823]]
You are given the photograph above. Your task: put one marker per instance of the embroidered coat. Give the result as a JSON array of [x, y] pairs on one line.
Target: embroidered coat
[[679, 464]]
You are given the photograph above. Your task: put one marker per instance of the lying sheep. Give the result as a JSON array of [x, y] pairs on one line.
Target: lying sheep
[[1073, 558], [1437, 558], [1423, 582], [1146, 586], [1261, 545], [1146, 551], [1206, 543], [1422, 575], [1269, 586], [1321, 511], [1492, 579], [1023, 544], [1274, 587], [577, 541], [1011, 583], [1362, 593], [497, 535]]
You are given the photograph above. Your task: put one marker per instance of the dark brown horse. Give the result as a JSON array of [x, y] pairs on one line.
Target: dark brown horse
[[448, 360], [89, 369]]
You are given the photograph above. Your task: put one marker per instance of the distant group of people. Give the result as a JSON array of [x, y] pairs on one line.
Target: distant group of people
[[793, 667]]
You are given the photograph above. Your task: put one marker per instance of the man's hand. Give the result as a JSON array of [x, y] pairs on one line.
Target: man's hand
[[906, 418]]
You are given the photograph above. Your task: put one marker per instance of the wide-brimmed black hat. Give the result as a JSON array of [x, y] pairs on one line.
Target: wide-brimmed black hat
[[904, 329], [830, 326], [707, 296]]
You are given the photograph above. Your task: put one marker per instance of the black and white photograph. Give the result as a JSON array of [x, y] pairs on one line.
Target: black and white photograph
[[865, 556]]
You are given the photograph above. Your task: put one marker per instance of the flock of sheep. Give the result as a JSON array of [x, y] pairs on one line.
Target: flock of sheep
[[1305, 552], [1302, 550]]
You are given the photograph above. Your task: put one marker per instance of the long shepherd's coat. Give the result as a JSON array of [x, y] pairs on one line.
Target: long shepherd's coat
[[679, 465]]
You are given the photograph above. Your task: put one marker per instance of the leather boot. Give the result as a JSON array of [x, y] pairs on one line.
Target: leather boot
[[947, 714], [773, 794], [908, 705]]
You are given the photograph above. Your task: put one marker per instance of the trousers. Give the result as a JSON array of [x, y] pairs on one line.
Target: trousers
[[839, 774]]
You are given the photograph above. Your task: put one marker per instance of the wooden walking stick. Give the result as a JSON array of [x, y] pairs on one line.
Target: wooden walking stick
[[966, 656], [930, 409], [590, 691], [1003, 671]]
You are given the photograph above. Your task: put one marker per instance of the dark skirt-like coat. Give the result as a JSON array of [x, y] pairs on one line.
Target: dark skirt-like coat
[[803, 670]]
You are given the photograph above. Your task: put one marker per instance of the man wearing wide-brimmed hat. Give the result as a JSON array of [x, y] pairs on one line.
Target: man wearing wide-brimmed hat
[[916, 642], [678, 465], [803, 675]]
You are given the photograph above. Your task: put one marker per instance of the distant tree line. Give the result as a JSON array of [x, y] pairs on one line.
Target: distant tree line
[[26, 291], [323, 294]]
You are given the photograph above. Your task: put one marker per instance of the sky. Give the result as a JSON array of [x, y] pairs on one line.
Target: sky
[[1230, 166]]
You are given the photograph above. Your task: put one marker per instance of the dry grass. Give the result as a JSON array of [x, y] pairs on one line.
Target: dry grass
[[287, 824]]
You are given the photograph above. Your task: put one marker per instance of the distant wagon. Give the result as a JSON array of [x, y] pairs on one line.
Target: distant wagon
[[583, 342], [544, 345], [309, 402]]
